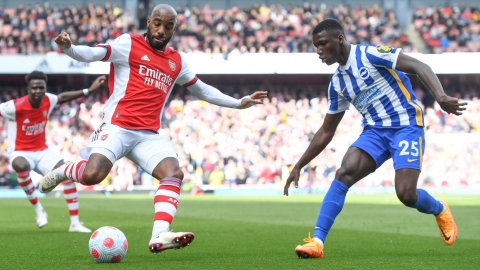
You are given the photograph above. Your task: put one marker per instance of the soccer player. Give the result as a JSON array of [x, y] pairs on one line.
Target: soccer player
[[372, 79], [27, 149], [142, 75]]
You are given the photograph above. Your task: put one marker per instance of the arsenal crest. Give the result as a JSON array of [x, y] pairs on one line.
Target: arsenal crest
[[45, 113], [172, 65], [104, 137]]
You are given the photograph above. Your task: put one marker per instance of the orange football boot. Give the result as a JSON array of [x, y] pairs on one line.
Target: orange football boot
[[447, 226], [312, 249]]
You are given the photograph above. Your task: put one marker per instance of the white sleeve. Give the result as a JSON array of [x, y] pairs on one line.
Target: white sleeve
[[86, 54], [383, 56], [53, 101], [186, 77], [212, 95], [7, 110], [116, 51]]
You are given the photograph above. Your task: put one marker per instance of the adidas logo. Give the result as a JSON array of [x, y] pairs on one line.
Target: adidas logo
[[26, 121], [145, 57]]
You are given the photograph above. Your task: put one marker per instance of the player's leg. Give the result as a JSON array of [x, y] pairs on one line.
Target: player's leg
[[407, 155], [71, 196], [107, 144], [156, 156], [23, 166], [365, 155]]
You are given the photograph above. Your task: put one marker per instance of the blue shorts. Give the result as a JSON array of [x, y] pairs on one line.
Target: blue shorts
[[406, 145]]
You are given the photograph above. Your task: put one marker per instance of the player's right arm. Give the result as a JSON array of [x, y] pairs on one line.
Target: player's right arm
[[321, 139], [80, 53], [116, 51]]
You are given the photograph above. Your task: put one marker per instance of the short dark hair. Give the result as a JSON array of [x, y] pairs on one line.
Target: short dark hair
[[329, 25], [36, 75]]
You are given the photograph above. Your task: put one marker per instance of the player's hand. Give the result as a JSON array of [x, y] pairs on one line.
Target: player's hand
[[64, 40], [97, 83], [255, 98], [451, 105], [293, 177]]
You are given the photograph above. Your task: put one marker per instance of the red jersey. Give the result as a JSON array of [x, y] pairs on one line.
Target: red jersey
[[26, 126], [140, 81]]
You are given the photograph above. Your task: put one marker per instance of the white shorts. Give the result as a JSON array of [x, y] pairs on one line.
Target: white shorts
[[146, 148], [41, 162]]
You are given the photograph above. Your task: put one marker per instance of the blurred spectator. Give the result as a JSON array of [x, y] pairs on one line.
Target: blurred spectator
[[263, 29], [449, 28]]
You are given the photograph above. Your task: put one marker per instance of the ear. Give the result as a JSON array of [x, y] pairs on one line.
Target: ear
[[340, 39], [148, 22]]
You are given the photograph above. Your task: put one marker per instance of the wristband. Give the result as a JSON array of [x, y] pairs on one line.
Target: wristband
[[85, 92]]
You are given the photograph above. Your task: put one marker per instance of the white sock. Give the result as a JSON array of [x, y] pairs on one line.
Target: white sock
[[159, 229], [38, 207], [74, 219], [319, 241]]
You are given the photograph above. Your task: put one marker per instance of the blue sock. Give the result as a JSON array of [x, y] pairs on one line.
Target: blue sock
[[427, 204], [331, 206]]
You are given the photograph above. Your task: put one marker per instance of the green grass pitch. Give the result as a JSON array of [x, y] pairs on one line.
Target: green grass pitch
[[373, 232]]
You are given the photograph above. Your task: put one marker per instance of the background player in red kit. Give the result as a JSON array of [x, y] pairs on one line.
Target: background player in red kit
[[27, 149], [142, 75]]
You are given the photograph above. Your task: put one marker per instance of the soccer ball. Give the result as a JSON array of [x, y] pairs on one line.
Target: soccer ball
[[108, 245]]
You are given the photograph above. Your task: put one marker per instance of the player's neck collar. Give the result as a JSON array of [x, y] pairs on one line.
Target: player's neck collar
[[351, 56]]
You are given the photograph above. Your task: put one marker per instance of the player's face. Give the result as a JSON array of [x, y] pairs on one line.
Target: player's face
[[328, 47], [160, 28], [36, 90]]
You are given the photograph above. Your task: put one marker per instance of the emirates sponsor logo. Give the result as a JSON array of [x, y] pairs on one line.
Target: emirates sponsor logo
[[156, 78], [34, 129], [172, 65]]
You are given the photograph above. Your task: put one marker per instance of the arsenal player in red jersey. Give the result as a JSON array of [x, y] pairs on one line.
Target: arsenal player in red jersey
[[27, 149], [143, 73]]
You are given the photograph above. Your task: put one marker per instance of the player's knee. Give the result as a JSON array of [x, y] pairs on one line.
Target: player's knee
[[20, 166], [345, 176], [177, 173], [407, 197]]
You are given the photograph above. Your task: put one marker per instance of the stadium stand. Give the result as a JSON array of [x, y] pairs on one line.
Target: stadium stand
[[258, 146], [449, 28], [258, 28]]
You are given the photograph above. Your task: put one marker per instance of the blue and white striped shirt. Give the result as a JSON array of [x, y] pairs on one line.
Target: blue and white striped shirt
[[370, 82]]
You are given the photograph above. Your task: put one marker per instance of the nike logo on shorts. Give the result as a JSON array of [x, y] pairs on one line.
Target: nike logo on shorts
[[412, 160]]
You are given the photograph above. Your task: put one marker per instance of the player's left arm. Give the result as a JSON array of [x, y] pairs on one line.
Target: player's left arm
[[71, 95], [411, 65], [212, 95]]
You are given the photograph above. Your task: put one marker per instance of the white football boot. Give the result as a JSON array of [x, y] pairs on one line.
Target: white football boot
[[170, 240], [42, 218], [78, 227], [52, 179]]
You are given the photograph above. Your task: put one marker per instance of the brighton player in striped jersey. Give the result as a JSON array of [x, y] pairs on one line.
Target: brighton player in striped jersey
[[143, 72], [27, 148], [372, 79]]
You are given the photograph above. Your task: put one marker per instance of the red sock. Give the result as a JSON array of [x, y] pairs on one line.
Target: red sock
[[26, 183], [71, 196], [74, 171], [166, 203]]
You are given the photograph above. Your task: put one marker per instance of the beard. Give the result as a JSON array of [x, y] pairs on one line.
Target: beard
[[157, 45]]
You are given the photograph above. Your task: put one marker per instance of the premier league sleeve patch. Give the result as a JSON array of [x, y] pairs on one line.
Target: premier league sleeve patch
[[384, 49]]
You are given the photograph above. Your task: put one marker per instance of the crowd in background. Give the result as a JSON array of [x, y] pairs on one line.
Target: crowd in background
[[449, 28], [259, 28], [259, 146], [32, 29]]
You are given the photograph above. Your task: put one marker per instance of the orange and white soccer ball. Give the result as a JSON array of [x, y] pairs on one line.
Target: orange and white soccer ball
[[108, 245]]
